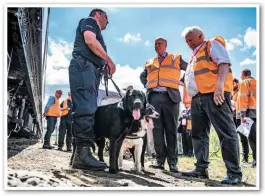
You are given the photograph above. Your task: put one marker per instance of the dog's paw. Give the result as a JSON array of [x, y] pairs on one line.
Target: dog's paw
[[113, 171]]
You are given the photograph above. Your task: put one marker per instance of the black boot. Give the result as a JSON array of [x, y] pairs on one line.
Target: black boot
[[47, 145], [233, 180], [202, 173], [83, 159]]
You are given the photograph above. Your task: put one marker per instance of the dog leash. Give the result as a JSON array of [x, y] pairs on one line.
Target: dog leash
[[106, 76]]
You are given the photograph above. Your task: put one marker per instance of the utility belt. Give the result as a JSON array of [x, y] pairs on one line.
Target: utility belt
[[160, 92], [78, 56]]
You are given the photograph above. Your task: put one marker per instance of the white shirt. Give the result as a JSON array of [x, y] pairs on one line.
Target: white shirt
[[219, 55]]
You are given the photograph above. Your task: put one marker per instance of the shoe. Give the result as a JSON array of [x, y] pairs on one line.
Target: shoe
[[173, 168], [254, 163], [83, 159], [157, 166], [232, 180], [202, 173], [47, 146], [69, 150], [60, 148]]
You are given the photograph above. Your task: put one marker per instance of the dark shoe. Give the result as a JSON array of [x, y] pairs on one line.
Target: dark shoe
[[69, 150], [60, 148], [47, 146], [203, 173], [254, 163], [83, 159], [173, 168], [157, 166], [232, 180]]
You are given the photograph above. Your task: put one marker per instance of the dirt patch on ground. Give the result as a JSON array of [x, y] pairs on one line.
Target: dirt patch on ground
[[30, 165]]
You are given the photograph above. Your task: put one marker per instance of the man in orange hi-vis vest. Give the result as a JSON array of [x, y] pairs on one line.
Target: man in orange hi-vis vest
[[161, 77], [246, 106], [208, 80], [65, 124], [51, 112], [237, 120]]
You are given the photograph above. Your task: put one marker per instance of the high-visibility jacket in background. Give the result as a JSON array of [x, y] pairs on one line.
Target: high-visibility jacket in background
[[166, 74], [65, 106], [246, 101], [54, 109]]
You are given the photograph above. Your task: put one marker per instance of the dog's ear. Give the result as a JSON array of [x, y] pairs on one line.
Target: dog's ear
[[145, 100], [125, 100], [120, 105]]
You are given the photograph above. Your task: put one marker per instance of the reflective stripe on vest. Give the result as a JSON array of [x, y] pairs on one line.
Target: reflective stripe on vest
[[54, 110], [206, 71], [165, 74]]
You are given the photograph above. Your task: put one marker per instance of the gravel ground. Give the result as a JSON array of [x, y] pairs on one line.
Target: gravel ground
[[31, 166]]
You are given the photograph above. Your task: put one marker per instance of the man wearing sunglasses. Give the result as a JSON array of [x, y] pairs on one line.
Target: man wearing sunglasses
[[89, 56], [51, 112]]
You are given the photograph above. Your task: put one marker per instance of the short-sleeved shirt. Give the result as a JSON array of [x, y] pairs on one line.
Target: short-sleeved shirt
[[81, 48]]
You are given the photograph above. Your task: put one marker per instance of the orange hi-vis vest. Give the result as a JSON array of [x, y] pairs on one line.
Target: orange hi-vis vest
[[166, 74], [206, 71], [54, 110], [186, 98], [65, 106], [247, 97]]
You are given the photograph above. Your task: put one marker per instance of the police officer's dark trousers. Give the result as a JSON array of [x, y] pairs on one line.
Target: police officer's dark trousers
[[51, 122], [65, 128], [84, 81], [204, 111], [244, 141], [165, 125]]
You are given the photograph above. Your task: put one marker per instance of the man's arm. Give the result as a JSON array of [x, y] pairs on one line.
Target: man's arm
[[143, 77], [220, 56], [89, 29], [183, 66], [51, 101]]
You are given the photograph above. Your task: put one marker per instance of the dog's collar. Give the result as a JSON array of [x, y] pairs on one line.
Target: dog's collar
[[132, 137]]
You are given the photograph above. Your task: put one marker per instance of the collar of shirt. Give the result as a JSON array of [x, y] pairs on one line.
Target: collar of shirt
[[162, 55], [197, 49]]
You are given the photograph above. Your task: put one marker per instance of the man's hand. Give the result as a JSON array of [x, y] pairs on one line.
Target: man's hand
[[112, 67], [219, 94]]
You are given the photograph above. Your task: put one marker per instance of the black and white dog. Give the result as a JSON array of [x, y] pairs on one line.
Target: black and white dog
[[114, 122], [136, 140]]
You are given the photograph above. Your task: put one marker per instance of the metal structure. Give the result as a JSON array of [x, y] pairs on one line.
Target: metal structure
[[26, 65]]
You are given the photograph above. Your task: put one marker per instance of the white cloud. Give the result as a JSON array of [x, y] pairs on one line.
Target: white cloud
[[233, 43], [125, 76], [248, 61], [57, 62], [250, 38], [128, 38], [147, 43]]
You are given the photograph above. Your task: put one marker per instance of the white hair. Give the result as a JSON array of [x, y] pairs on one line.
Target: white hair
[[193, 29]]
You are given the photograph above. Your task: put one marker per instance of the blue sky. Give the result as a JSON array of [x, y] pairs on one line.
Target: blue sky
[[131, 33]]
